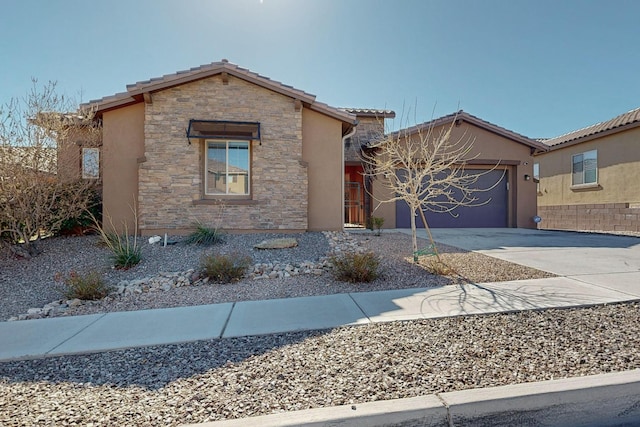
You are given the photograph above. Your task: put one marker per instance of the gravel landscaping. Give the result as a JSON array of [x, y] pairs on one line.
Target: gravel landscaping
[[30, 283], [242, 377]]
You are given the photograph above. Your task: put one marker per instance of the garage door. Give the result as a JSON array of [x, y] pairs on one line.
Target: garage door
[[492, 214]]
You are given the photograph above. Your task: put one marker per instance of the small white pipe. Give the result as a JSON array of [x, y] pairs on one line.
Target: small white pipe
[[165, 240]]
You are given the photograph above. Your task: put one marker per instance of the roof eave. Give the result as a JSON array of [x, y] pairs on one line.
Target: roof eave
[[592, 136]]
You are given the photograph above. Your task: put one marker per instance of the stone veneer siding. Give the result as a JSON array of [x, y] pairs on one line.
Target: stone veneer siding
[[597, 217], [171, 177], [369, 128]]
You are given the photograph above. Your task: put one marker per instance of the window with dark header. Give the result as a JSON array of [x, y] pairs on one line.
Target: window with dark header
[[217, 129]]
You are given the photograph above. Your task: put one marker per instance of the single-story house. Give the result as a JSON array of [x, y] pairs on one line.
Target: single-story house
[[588, 179], [221, 145], [511, 200]]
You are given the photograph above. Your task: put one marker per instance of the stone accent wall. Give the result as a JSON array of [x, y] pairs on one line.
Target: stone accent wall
[[171, 178], [597, 217], [369, 128]]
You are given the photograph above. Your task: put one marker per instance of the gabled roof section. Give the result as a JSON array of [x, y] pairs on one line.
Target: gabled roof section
[[466, 117], [370, 112], [617, 124], [135, 92]]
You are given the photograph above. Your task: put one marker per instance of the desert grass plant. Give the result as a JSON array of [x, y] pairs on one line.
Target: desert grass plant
[[205, 235], [88, 286], [356, 267], [225, 268], [126, 251], [435, 265]]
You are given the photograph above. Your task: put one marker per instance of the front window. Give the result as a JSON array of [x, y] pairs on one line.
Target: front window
[[227, 168], [585, 168]]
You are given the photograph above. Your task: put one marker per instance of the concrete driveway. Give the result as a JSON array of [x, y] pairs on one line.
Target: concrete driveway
[[604, 260]]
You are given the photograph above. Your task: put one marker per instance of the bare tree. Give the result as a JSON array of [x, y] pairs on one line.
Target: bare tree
[[40, 182], [425, 168]]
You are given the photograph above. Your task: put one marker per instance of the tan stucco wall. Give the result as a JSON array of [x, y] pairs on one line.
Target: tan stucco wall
[[618, 172], [489, 149], [322, 150], [171, 193], [123, 144]]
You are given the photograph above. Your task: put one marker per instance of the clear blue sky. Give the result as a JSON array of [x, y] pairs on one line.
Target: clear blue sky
[[538, 67]]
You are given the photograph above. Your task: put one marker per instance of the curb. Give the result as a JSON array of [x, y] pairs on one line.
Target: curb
[[597, 400]]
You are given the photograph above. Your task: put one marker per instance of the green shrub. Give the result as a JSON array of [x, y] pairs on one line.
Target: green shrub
[[225, 268], [204, 235], [356, 267], [83, 222], [375, 223], [126, 251], [89, 286]]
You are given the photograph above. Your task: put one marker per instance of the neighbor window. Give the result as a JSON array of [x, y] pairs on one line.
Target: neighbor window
[[91, 163], [227, 168], [584, 169]]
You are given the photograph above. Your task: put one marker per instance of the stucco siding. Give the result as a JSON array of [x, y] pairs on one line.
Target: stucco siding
[[618, 172], [611, 204], [122, 146], [322, 151], [489, 150]]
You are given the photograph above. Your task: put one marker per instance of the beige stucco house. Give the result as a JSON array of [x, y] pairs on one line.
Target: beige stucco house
[[511, 201], [221, 145], [588, 180]]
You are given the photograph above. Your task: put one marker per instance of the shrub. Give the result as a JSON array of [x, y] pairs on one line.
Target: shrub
[[225, 268], [356, 267], [89, 286], [204, 235], [126, 251], [375, 223], [84, 222]]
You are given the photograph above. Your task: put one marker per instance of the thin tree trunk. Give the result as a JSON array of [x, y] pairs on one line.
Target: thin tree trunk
[[428, 230], [414, 234]]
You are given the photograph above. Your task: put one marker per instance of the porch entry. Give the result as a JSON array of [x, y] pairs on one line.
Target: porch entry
[[354, 196]]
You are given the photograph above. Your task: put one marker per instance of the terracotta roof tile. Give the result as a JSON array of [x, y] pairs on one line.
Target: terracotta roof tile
[[464, 116], [370, 112], [625, 119], [135, 90]]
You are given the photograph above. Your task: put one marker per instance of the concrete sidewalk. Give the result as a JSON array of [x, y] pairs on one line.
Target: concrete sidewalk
[[592, 269], [100, 332]]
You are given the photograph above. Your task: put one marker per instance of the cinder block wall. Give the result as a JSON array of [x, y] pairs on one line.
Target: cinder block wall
[[171, 177], [595, 217]]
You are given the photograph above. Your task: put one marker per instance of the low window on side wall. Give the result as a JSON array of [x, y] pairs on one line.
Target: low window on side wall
[[584, 168], [90, 163]]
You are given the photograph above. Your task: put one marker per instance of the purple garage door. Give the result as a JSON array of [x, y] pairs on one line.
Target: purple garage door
[[492, 214]]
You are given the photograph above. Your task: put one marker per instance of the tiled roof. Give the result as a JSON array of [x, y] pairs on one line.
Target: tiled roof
[[136, 91], [466, 117], [370, 112], [587, 133]]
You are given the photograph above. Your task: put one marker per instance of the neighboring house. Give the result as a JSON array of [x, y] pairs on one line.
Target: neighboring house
[[588, 180], [511, 202], [219, 144]]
